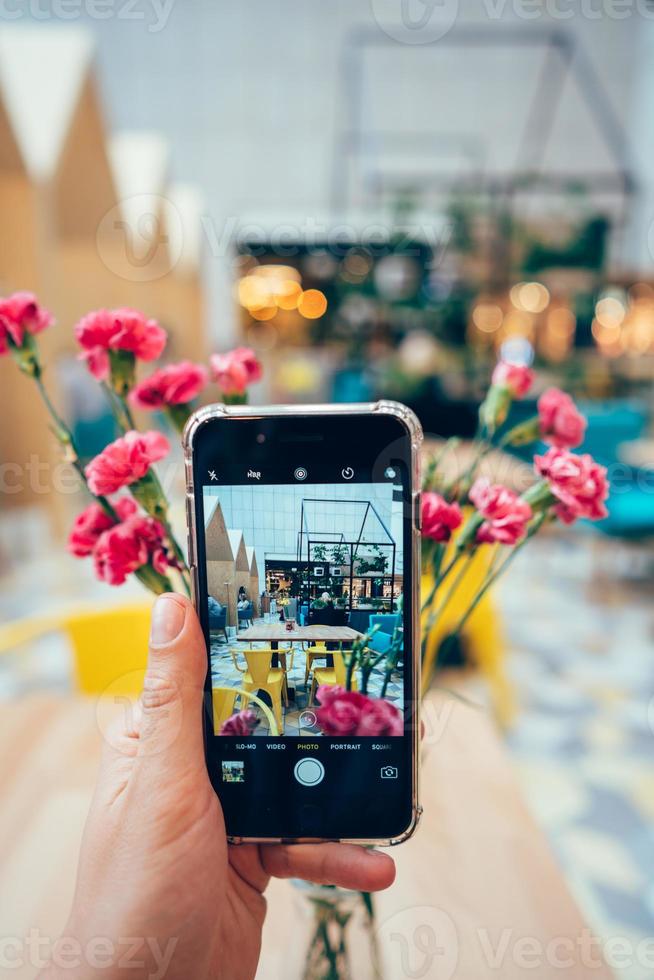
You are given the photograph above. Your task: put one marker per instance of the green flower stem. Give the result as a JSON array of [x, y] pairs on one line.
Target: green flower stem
[[65, 437], [147, 575], [496, 570], [433, 617], [539, 496], [119, 408], [148, 491], [464, 481], [522, 434], [153, 580], [439, 577], [178, 415], [454, 585]]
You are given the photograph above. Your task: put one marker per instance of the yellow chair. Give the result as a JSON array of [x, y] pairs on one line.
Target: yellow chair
[[331, 675], [224, 702], [281, 656], [259, 675], [317, 652], [109, 646]]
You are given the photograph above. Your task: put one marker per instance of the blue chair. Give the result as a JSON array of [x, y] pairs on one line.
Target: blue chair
[[380, 642], [359, 620], [217, 616], [303, 615], [246, 615], [387, 622]]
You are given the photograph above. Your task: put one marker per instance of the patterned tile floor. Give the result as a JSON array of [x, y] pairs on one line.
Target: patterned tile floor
[[579, 621], [297, 718]]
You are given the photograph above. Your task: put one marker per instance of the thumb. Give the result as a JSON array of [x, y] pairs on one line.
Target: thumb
[[172, 697]]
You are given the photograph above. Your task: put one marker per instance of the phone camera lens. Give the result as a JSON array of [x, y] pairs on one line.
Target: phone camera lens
[[261, 438]]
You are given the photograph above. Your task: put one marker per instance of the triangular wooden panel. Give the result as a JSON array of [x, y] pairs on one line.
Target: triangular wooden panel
[[237, 542], [11, 161], [255, 585], [83, 187], [252, 560], [218, 544]]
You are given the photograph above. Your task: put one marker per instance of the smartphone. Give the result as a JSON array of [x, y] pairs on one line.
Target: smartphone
[[304, 550]]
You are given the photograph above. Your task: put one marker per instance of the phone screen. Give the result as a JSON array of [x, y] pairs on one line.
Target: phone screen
[[305, 538]]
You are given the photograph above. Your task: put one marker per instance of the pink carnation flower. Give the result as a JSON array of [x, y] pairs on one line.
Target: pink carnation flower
[[506, 515], [577, 481], [20, 313], [118, 330], [234, 371], [344, 713], [125, 461], [91, 523], [242, 723], [175, 384], [516, 378], [561, 423], [128, 546], [439, 518]]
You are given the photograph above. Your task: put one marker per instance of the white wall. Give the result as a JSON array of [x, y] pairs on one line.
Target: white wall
[[251, 94]]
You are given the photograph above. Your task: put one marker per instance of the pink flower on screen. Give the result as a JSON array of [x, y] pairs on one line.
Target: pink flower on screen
[[242, 723], [516, 378], [175, 384], [561, 423], [343, 713], [506, 514], [118, 330], [578, 483], [234, 371], [21, 313], [439, 518], [125, 461]]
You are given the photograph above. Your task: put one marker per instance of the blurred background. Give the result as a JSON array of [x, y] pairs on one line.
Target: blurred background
[[380, 198]]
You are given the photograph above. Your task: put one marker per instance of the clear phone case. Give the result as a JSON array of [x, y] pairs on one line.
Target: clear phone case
[[414, 429]]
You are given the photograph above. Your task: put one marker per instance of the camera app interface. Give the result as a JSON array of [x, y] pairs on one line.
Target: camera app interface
[[305, 610]]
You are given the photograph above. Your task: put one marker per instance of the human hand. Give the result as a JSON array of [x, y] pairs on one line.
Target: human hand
[[155, 863]]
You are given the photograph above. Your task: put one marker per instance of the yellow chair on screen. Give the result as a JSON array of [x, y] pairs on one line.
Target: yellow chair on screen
[[331, 675], [317, 652], [259, 675]]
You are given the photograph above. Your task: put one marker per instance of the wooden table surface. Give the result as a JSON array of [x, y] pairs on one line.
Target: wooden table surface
[[276, 632], [474, 885]]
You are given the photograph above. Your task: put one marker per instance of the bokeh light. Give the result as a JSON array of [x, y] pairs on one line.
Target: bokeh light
[[312, 304]]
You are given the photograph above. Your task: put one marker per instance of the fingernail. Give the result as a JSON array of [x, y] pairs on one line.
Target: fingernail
[[168, 615]]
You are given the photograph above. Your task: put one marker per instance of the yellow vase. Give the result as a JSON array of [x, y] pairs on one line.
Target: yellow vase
[[481, 635]]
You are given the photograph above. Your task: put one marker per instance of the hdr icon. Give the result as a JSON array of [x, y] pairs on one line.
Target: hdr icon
[[254, 474]]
